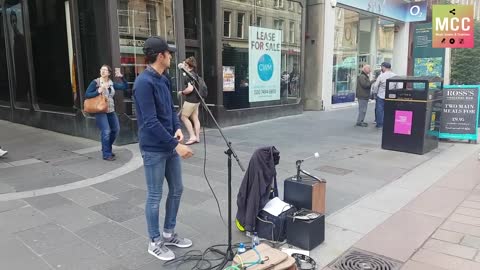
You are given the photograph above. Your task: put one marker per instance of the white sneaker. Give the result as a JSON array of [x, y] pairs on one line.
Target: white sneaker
[[160, 251], [3, 153]]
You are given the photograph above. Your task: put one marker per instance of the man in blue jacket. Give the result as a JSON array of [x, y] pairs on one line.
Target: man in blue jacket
[[160, 140]]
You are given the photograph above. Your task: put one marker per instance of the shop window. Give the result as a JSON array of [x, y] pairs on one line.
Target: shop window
[[4, 84], [18, 51], [239, 60], [152, 18], [145, 18], [259, 22], [346, 56], [123, 23], [227, 19], [190, 19], [292, 32], [240, 24], [278, 24], [278, 4]]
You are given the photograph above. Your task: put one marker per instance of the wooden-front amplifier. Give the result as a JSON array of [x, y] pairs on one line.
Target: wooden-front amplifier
[[307, 193]]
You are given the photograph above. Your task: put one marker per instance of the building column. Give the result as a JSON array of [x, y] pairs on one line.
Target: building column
[[447, 66], [373, 42], [114, 42], [319, 55], [401, 49]]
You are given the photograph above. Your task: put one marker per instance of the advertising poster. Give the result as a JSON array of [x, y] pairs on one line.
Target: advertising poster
[[427, 61], [228, 79], [403, 122], [265, 46], [460, 112], [453, 26]]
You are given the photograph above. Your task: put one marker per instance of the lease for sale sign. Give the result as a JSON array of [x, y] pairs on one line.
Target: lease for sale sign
[[453, 26]]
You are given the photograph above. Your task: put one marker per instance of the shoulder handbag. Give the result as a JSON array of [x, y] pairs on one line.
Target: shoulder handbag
[[98, 104]]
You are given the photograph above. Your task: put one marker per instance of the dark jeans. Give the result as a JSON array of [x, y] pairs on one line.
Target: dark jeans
[[379, 111], [109, 128], [159, 166]]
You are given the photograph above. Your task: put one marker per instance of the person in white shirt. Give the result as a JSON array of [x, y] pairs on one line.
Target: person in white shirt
[[379, 88]]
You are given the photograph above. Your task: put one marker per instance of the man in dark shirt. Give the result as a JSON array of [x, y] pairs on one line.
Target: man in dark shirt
[[160, 140], [363, 94]]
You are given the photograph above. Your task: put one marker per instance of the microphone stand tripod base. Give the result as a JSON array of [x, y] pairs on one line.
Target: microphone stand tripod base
[[228, 255]]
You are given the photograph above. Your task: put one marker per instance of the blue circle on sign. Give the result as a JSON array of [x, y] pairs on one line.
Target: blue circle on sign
[[265, 67]]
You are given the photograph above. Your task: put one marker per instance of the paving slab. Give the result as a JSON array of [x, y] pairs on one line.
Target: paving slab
[[406, 229]]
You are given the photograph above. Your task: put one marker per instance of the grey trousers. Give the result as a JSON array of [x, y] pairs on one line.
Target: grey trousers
[[362, 109]]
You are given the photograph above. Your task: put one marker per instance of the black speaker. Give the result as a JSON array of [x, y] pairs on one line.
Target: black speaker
[[307, 193], [305, 234]]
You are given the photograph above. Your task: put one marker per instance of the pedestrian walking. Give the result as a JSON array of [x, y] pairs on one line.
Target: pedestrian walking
[[191, 105]]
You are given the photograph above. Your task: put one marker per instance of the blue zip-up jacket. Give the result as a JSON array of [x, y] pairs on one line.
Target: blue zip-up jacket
[[156, 116]]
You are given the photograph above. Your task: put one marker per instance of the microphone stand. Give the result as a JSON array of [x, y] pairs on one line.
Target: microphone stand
[[228, 254], [298, 177]]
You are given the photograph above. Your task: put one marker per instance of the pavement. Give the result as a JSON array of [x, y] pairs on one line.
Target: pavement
[[63, 207]]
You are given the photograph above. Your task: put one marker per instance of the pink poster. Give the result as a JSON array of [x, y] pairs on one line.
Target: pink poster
[[403, 122]]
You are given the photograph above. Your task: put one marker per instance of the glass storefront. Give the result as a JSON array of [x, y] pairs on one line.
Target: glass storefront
[[4, 83], [51, 34], [18, 50], [279, 19], [50, 51], [360, 39], [137, 20]]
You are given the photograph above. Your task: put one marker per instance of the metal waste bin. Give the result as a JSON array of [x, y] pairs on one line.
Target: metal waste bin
[[412, 114]]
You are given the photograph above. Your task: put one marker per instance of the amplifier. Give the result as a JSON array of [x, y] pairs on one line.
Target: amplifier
[[306, 233], [306, 193]]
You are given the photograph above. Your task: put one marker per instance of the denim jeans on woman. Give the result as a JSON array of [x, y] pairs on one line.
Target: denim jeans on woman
[[109, 127], [159, 166]]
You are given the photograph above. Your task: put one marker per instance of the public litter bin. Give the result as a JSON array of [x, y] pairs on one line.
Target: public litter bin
[[413, 106]]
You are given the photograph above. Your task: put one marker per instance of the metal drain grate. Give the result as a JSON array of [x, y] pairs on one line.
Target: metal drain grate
[[356, 259]]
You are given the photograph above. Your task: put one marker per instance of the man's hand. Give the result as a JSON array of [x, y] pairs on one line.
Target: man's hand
[[184, 151], [179, 135]]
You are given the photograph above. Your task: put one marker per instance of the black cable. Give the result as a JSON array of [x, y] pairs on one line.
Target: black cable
[[205, 168], [201, 260]]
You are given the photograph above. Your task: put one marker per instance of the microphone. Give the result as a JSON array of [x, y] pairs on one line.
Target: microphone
[[299, 169], [315, 155], [187, 73]]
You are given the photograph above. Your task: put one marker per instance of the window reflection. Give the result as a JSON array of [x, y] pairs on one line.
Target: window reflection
[[138, 20], [238, 16], [18, 49]]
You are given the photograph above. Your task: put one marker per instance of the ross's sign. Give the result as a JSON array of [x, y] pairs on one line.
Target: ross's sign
[[453, 26], [406, 11], [459, 118], [264, 61]]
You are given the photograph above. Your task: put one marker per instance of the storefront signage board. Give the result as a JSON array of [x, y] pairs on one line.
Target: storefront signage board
[[396, 9], [264, 61], [459, 118]]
